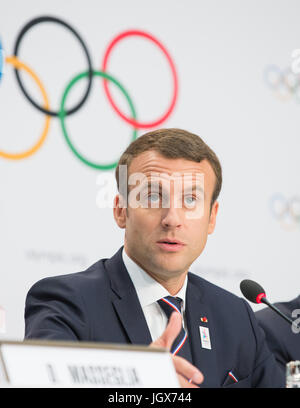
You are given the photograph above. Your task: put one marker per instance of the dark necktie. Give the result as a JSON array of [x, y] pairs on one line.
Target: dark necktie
[[181, 346]]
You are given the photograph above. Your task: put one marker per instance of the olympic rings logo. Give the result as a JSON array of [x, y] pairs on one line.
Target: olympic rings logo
[[62, 114], [286, 211], [284, 83]]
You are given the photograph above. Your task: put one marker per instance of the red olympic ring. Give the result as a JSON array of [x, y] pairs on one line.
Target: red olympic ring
[[134, 123]]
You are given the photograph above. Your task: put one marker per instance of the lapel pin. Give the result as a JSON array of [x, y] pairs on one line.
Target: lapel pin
[[205, 338], [204, 319]]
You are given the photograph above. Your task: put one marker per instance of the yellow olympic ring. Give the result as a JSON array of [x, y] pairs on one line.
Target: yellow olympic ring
[[15, 62]]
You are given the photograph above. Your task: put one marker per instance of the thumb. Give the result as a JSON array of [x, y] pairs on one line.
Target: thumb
[[172, 330]]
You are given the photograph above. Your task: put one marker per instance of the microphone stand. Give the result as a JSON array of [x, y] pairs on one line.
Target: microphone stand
[[290, 321]]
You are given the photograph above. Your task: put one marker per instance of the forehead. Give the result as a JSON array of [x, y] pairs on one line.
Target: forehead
[[153, 162]]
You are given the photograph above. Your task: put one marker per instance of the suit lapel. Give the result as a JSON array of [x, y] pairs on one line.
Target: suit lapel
[[132, 317], [203, 358], [125, 301]]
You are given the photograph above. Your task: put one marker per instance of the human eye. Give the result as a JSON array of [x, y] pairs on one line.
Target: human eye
[[190, 200], [154, 197]]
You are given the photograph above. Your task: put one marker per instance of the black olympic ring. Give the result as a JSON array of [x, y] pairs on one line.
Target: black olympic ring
[[27, 27]]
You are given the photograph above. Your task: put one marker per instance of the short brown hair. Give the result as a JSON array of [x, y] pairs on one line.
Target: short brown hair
[[174, 144]]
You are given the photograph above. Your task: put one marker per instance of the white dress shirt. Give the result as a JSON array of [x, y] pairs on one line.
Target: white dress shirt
[[149, 291]]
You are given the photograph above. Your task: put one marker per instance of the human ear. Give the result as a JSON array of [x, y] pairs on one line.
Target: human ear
[[120, 211], [212, 217]]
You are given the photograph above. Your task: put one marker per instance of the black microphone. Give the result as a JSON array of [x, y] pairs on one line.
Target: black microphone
[[256, 294]]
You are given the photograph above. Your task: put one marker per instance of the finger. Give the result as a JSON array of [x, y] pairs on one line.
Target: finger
[[171, 332], [187, 370], [184, 383]]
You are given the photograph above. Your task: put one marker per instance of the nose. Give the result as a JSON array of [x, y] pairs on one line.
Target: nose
[[171, 218]]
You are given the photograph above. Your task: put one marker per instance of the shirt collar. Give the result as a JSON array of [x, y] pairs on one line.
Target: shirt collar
[[148, 289]]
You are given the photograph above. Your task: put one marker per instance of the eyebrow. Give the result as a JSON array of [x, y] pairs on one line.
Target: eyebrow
[[197, 187], [194, 187]]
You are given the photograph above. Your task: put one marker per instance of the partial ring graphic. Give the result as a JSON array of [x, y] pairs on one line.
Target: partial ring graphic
[[283, 82], [18, 156], [89, 74], [286, 210], [47, 19], [63, 115], [1, 60], [133, 122]]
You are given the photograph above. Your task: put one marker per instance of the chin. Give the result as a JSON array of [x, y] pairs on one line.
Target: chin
[[170, 267]]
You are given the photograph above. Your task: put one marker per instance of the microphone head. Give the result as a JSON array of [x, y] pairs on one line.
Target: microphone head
[[252, 291]]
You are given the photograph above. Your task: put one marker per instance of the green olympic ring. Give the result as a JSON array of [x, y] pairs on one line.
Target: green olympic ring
[[62, 114]]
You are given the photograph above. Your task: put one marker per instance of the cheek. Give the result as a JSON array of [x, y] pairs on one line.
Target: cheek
[[140, 224], [198, 232]]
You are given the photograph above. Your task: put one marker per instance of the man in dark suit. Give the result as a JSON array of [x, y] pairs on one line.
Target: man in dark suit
[[282, 340], [173, 180]]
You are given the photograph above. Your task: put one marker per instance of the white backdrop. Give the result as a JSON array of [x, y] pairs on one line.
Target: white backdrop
[[49, 221]]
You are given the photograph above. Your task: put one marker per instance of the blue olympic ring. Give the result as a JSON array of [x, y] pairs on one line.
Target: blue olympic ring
[[1, 60]]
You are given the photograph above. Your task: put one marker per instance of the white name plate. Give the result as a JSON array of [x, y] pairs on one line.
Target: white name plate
[[70, 364]]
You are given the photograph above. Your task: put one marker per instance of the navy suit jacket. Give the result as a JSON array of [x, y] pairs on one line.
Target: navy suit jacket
[[101, 305], [282, 341]]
